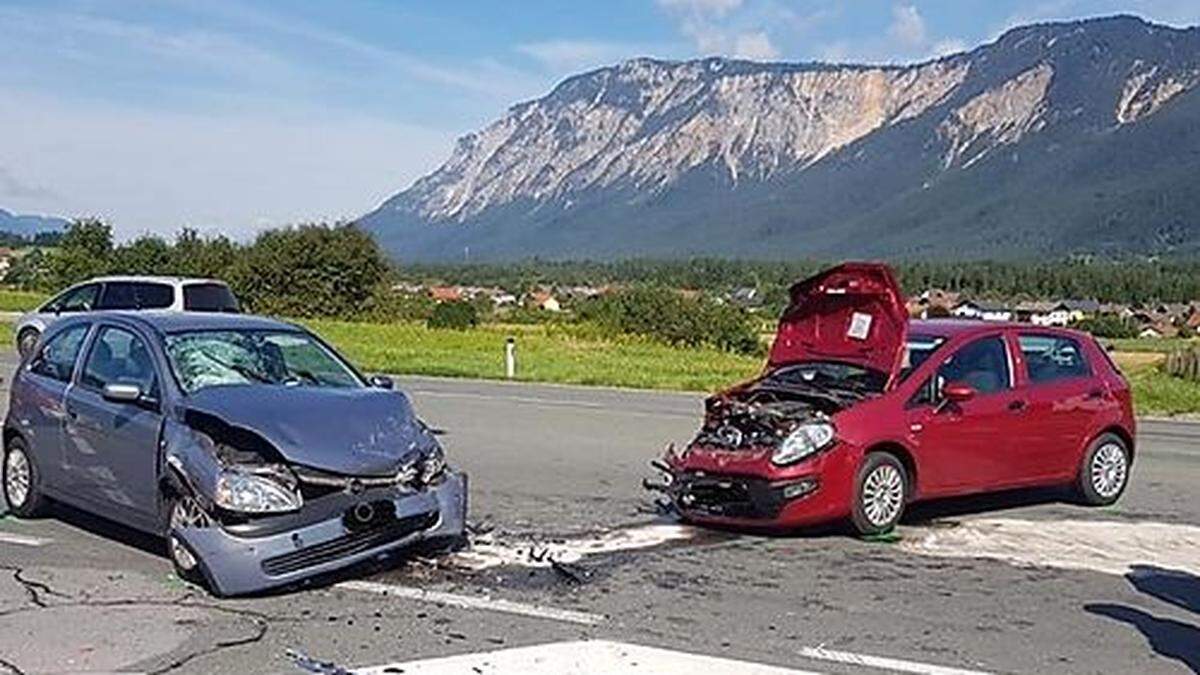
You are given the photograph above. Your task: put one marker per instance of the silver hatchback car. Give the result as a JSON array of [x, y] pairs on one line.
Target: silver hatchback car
[[125, 293]]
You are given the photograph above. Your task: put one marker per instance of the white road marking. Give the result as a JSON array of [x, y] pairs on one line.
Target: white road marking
[[22, 540], [883, 663], [484, 602], [1109, 546], [486, 553], [587, 656]]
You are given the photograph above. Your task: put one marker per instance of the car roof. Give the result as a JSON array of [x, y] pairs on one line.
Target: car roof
[[950, 328], [176, 322], [152, 279]]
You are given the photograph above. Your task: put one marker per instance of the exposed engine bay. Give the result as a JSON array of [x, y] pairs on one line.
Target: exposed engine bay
[[785, 414]]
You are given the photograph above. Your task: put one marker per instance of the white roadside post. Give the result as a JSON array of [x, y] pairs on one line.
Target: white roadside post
[[510, 358]]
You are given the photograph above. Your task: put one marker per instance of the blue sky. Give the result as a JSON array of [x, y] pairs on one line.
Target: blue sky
[[235, 116]]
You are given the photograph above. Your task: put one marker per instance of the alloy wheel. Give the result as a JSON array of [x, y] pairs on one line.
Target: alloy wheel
[[185, 512], [1110, 467], [16, 478], [883, 495]]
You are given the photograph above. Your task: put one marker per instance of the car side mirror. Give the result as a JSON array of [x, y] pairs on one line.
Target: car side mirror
[[381, 382], [122, 392], [958, 392]]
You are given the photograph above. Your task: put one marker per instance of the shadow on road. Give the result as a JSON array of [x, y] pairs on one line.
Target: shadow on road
[[1167, 637], [995, 501]]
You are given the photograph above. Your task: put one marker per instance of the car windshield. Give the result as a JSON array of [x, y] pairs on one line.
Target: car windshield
[[255, 357], [917, 350], [828, 375]]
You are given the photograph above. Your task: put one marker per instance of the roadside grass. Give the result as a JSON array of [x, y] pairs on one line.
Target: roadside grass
[[545, 353], [1148, 345], [12, 300]]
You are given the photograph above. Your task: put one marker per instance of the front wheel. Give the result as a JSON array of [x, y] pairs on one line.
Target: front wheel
[[1104, 472], [185, 511], [21, 480], [880, 494], [26, 341]]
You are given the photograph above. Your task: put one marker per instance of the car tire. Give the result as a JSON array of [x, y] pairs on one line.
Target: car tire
[[880, 494], [188, 566], [26, 341], [21, 480], [1104, 471]]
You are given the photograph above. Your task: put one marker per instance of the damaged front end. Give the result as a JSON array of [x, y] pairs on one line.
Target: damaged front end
[[763, 450], [281, 504], [739, 464]]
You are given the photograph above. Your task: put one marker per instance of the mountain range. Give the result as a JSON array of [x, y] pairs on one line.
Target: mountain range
[[29, 225], [1055, 139]]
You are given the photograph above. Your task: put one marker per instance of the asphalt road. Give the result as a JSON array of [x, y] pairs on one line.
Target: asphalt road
[[561, 466]]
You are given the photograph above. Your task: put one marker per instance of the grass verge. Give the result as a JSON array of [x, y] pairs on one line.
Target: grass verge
[[12, 300], [544, 354]]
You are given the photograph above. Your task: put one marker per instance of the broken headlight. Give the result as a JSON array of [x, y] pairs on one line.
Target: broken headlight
[[433, 465], [251, 492], [804, 440]]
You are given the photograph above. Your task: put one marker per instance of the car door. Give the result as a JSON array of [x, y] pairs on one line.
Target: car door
[[966, 446], [112, 446], [1064, 397], [42, 408]]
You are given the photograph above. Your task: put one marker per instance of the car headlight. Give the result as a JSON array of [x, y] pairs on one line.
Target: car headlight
[[245, 492], [804, 440], [433, 465]]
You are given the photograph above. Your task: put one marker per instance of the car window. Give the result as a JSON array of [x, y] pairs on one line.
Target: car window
[[917, 350], [982, 364], [209, 298], [82, 299], [136, 295], [57, 357], [118, 355], [1052, 357]]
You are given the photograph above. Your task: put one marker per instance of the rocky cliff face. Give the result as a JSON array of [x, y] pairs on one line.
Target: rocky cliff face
[[738, 158]]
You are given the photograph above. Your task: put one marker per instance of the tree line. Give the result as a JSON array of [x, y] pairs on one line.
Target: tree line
[[1130, 280], [308, 270]]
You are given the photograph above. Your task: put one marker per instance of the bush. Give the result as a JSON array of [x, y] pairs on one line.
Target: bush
[[1108, 326], [454, 315], [665, 315], [1184, 363]]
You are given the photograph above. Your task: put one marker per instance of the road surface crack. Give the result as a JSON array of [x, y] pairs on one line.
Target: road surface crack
[[35, 589], [10, 668]]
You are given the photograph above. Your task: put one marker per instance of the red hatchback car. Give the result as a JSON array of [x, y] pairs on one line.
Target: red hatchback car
[[860, 411]]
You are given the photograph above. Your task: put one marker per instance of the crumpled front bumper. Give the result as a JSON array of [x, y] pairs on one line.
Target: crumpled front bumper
[[236, 563]]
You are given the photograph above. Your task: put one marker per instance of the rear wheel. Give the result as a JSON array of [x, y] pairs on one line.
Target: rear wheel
[[185, 511], [1104, 472], [26, 341], [880, 494], [21, 480]]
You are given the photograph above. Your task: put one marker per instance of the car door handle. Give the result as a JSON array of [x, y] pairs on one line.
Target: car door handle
[[1016, 406], [1095, 394]]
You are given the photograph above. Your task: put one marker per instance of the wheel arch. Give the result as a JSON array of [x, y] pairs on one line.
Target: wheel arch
[[902, 453], [1121, 433]]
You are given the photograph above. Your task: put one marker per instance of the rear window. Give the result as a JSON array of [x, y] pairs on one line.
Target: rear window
[[136, 295], [1052, 357], [209, 298]]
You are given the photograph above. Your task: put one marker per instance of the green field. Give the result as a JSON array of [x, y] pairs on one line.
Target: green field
[[544, 354], [12, 300]]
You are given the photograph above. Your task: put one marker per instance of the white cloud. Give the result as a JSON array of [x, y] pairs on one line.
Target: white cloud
[[233, 173], [907, 27], [571, 56], [754, 45], [714, 7]]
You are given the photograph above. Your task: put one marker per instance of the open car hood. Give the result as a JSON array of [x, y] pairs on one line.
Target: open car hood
[[853, 313], [356, 432]]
